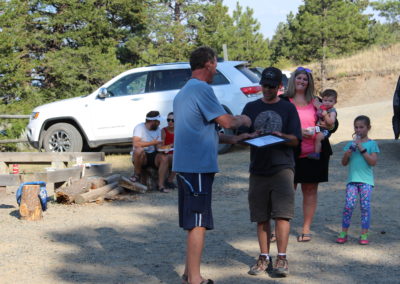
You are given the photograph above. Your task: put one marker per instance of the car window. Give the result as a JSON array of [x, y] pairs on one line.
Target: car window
[[131, 84], [257, 71], [219, 79], [164, 80], [248, 73], [284, 81]]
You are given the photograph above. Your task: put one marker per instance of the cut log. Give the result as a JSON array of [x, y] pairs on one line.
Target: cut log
[[94, 194], [30, 207], [114, 192], [67, 194], [113, 178], [96, 182], [135, 186]]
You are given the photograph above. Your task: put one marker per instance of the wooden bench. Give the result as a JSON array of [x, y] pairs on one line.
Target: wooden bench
[[58, 162], [55, 160]]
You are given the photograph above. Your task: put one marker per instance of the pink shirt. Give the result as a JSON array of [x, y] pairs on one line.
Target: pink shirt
[[308, 118]]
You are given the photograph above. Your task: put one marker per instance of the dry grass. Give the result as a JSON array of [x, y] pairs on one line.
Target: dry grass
[[121, 163], [381, 60]]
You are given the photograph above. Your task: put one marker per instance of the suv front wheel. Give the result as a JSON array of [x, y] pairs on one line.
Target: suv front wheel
[[62, 137]]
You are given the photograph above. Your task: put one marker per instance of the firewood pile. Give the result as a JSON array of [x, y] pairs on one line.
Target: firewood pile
[[96, 189]]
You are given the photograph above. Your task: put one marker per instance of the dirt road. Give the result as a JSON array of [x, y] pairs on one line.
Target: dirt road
[[138, 241]]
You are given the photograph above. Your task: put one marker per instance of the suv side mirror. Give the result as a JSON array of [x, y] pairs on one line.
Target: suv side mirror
[[103, 93]]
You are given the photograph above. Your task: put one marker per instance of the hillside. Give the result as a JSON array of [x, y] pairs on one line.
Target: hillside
[[366, 77]]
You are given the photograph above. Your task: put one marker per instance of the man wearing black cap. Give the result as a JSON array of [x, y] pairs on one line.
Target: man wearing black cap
[[271, 191]]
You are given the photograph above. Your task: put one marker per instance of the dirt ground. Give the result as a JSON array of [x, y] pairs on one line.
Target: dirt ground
[[138, 241]]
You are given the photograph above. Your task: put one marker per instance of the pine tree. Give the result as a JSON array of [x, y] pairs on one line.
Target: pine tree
[[390, 10], [280, 43], [327, 28], [60, 49], [216, 27], [248, 43]]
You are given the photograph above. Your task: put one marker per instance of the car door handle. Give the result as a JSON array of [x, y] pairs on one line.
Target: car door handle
[[136, 99]]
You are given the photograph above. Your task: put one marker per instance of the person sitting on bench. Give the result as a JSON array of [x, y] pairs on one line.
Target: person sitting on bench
[[146, 138]]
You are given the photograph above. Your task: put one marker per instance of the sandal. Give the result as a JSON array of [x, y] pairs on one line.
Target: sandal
[[273, 238], [185, 280], [300, 238], [135, 178], [164, 190]]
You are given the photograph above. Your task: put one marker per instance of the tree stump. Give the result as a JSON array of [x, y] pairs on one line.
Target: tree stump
[[151, 176], [30, 207]]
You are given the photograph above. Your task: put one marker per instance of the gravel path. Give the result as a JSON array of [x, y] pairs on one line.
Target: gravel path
[[138, 241]]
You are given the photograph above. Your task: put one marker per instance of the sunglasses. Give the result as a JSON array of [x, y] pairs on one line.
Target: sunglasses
[[170, 120], [304, 69]]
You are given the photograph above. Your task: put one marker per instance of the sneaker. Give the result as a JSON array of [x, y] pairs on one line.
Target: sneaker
[[281, 267], [342, 238], [261, 266], [313, 156], [364, 239]]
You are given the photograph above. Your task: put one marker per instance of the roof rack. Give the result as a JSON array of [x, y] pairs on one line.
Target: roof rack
[[169, 63]]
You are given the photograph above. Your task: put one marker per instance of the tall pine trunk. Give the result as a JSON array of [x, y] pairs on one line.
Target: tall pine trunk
[[323, 65]]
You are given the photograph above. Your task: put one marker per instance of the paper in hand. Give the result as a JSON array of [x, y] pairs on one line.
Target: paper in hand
[[265, 140]]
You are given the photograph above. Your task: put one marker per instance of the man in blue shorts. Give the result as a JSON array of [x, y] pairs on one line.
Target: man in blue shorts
[[196, 111], [271, 190]]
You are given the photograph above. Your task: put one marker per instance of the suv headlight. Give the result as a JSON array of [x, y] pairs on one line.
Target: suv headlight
[[34, 115]]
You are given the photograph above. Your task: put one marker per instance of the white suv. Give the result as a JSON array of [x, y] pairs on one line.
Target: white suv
[[108, 115]]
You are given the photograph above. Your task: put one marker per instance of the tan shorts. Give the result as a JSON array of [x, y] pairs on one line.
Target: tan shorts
[[271, 196]]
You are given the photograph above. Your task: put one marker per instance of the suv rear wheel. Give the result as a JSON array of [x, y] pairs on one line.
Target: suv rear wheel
[[62, 137]]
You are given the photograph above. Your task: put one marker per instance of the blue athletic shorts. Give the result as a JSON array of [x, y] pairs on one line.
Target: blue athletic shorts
[[194, 203]]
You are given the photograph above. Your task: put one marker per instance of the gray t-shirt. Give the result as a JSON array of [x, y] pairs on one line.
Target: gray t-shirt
[[282, 117], [146, 136], [196, 138]]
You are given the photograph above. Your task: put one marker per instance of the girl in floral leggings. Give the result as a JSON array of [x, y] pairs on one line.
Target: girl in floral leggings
[[361, 156]]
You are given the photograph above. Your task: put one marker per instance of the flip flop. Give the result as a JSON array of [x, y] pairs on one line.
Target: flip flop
[[273, 238], [185, 280], [164, 190], [300, 238]]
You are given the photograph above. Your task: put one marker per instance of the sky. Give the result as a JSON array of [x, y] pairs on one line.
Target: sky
[[269, 13]]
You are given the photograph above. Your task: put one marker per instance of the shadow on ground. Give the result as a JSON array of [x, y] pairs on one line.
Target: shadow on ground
[[154, 253]]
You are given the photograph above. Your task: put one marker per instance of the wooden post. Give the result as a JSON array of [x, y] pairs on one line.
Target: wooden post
[[30, 207]]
